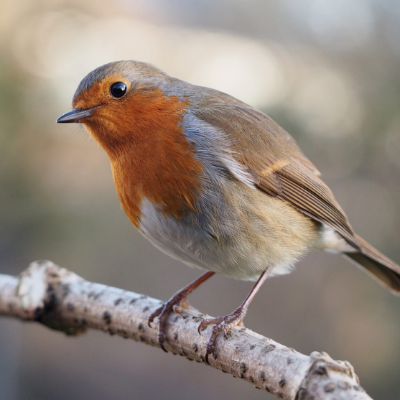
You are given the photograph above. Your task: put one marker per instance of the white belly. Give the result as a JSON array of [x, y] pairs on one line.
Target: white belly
[[238, 232]]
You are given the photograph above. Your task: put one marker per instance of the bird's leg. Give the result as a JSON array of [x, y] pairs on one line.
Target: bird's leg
[[178, 298], [229, 321]]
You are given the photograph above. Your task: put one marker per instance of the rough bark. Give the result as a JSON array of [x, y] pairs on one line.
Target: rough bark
[[64, 301]]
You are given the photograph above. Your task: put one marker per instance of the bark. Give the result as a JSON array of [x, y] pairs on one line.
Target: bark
[[66, 302]]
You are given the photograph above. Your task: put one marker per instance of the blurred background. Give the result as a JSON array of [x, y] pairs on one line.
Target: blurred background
[[326, 70]]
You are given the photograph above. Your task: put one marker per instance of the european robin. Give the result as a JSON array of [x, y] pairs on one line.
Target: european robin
[[213, 182]]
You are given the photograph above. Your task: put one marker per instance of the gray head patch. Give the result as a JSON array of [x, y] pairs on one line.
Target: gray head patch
[[130, 70]]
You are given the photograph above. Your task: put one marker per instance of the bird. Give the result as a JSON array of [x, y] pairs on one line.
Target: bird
[[213, 182]]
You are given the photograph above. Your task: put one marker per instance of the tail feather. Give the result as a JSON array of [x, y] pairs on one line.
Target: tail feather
[[384, 270]]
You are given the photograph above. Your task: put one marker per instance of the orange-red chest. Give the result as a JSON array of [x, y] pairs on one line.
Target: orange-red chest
[[150, 155]]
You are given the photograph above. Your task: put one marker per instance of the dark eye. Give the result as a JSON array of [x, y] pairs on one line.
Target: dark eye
[[118, 89]]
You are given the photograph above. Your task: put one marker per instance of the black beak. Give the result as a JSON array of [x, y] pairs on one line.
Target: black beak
[[75, 115]]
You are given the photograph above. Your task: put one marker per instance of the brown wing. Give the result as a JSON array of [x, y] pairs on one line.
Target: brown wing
[[275, 159]]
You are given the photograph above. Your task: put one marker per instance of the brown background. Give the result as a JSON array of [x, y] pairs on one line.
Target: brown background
[[327, 71]]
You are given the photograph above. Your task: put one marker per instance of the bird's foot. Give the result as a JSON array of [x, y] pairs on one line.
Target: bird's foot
[[224, 324], [176, 303]]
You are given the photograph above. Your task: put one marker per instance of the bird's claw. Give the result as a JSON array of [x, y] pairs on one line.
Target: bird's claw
[[224, 324], [154, 315], [163, 312], [178, 309], [212, 351]]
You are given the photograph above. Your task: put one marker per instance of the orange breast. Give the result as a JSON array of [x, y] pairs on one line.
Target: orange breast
[[149, 153]]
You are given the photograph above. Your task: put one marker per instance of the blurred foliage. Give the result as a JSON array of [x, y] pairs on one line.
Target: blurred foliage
[[327, 71]]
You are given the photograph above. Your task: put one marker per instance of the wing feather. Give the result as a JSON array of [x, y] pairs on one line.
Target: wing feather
[[273, 156]]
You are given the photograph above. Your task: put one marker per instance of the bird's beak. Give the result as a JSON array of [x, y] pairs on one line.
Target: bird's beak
[[75, 115]]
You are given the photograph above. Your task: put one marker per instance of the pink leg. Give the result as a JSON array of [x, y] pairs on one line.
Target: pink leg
[[227, 322], [180, 296]]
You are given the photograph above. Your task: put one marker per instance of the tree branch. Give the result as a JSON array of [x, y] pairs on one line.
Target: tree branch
[[64, 301]]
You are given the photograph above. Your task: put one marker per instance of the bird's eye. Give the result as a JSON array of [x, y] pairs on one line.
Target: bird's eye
[[118, 89]]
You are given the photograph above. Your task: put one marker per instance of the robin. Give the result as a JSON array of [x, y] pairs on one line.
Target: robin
[[214, 183]]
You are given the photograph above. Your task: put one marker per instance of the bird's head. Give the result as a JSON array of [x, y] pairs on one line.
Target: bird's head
[[121, 101]]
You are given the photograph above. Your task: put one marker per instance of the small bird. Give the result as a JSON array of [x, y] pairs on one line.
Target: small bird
[[214, 183]]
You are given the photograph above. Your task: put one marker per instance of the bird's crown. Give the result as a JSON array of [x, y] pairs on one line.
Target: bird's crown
[[129, 71]]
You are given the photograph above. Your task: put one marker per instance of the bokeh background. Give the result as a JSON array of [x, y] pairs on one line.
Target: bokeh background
[[326, 70]]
